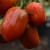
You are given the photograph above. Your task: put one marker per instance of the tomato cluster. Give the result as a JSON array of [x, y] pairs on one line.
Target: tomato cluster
[[16, 23]]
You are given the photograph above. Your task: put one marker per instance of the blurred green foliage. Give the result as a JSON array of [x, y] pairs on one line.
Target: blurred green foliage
[[46, 0], [47, 11]]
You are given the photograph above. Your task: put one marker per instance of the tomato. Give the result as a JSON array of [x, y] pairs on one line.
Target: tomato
[[30, 39], [36, 13], [6, 4], [14, 23]]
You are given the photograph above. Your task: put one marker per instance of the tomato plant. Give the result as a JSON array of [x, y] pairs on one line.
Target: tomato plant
[[14, 23]]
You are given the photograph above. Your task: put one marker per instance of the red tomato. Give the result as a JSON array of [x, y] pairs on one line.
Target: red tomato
[[30, 39], [36, 13], [14, 23], [5, 5]]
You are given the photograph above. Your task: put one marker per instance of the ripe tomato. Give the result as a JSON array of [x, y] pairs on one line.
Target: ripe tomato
[[30, 39], [14, 23], [36, 13], [5, 5]]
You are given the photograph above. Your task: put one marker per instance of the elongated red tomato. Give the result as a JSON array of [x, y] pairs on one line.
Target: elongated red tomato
[[30, 39], [6, 4], [14, 23], [36, 13]]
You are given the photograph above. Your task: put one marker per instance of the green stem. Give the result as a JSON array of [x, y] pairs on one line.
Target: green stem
[[21, 3], [0, 21], [25, 3], [31, 0], [35, 0]]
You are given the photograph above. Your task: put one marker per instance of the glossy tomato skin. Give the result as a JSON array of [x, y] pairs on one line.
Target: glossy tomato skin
[[6, 4], [14, 23], [30, 39], [36, 13]]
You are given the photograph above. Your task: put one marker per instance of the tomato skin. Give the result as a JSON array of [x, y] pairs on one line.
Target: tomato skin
[[5, 5], [36, 13], [14, 23], [30, 39]]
